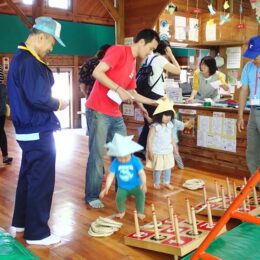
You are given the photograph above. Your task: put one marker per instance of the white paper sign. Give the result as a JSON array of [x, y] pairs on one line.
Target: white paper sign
[[180, 25], [233, 57], [194, 29], [211, 32]]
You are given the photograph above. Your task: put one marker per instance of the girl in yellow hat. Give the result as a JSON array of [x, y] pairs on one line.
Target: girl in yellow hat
[[161, 144]]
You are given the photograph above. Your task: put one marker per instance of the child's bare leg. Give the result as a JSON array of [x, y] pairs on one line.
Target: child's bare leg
[[168, 186], [157, 186], [156, 179], [167, 179]]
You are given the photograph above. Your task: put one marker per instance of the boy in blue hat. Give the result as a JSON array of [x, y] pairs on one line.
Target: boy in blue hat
[[129, 173], [251, 86]]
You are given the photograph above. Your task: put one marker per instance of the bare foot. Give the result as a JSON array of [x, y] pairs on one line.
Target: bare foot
[[168, 186], [157, 186], [120, 215], [141, 216]]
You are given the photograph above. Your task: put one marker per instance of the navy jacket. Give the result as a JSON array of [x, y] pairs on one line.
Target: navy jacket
[[29, 86]]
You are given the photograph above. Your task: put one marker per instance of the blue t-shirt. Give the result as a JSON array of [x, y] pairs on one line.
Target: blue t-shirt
[[248, 78], [127, 173]]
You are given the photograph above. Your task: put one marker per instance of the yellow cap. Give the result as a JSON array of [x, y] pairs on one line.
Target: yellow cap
[[164, 105]]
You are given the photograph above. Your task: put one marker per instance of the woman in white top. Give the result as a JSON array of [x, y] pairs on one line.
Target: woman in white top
[[163, 62]]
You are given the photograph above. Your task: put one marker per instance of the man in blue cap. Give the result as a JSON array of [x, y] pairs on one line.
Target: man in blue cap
[[29, 87], [251, 88]]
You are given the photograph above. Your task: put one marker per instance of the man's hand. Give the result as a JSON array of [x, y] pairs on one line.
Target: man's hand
[[63, 104], [240, 124], [189, 100], [125, 95]]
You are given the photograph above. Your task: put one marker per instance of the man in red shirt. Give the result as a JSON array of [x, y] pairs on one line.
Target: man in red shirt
[[116, 72]]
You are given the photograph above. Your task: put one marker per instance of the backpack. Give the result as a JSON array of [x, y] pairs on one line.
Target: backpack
[[142, 78]]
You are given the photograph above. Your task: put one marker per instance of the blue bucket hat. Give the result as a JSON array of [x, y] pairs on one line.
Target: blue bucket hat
[[253, 49], [50, 26]]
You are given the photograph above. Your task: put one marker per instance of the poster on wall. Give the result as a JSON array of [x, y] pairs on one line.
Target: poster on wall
[[189, 128], [180, 26], [193, 30], [217, 132]]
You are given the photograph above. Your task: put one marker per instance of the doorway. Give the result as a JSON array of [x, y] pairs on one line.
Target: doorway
[[62, 90]]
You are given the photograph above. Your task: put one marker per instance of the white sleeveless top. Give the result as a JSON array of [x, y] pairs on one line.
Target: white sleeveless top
[[162, 139]]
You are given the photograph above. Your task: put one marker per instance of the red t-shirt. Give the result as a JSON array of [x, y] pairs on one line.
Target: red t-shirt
[[122, 71]]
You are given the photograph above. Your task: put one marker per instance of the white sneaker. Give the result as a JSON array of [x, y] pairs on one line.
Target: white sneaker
[[52, 239]]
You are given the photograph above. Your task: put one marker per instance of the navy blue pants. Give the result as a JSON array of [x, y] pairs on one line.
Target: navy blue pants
[[35, 187]]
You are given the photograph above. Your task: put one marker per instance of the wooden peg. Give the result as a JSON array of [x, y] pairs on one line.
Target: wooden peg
[[205, 194], [156, 231], [228, 188], [210, 221], [255, 196], [137, 227], [172, 217], [188, 211], [177, 231], [194, 221], [223, 197], [216, 188]]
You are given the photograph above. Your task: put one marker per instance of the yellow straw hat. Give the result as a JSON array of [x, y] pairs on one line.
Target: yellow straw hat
[[164, 105]]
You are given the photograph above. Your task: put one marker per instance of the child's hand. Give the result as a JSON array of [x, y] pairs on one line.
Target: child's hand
[[149, 119], [150, 155], [144, 188], [103, 193], [188, 124]]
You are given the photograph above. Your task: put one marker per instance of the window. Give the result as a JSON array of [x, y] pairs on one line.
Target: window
[[62, 4], [28, 2]]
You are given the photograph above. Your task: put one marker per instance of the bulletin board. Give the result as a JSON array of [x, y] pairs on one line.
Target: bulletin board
[[217, 132]]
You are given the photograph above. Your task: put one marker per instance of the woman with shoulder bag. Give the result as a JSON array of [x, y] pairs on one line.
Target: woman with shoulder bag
[[163, 62], [3, 140]]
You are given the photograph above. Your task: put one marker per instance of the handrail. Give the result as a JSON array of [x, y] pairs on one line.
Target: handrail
[[230, 212]]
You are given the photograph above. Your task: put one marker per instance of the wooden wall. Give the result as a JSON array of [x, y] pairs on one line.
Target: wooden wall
[[87, 11], [139, 14], [143, 14]]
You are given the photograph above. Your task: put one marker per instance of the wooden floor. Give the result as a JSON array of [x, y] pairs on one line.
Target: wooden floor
[[71, 217]]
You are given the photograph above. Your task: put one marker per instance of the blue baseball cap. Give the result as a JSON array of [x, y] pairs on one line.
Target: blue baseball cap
[[50, 26], [253, 49]]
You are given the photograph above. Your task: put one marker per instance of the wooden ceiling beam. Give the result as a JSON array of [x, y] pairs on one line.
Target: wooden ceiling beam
[[118, 14], [3, 4], [20, 13], [111, 9], [37, 9]]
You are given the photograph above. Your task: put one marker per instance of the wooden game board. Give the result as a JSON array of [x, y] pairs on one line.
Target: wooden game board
[[167, 241], [217, 209]]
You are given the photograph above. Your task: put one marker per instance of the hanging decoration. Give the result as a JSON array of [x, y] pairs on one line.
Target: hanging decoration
[[210, 22], [164, 30], [187, 13], [225, 17], [240, 25], [197, 10], [171, 7], [211, 9], [256, 5], [226, 5]]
